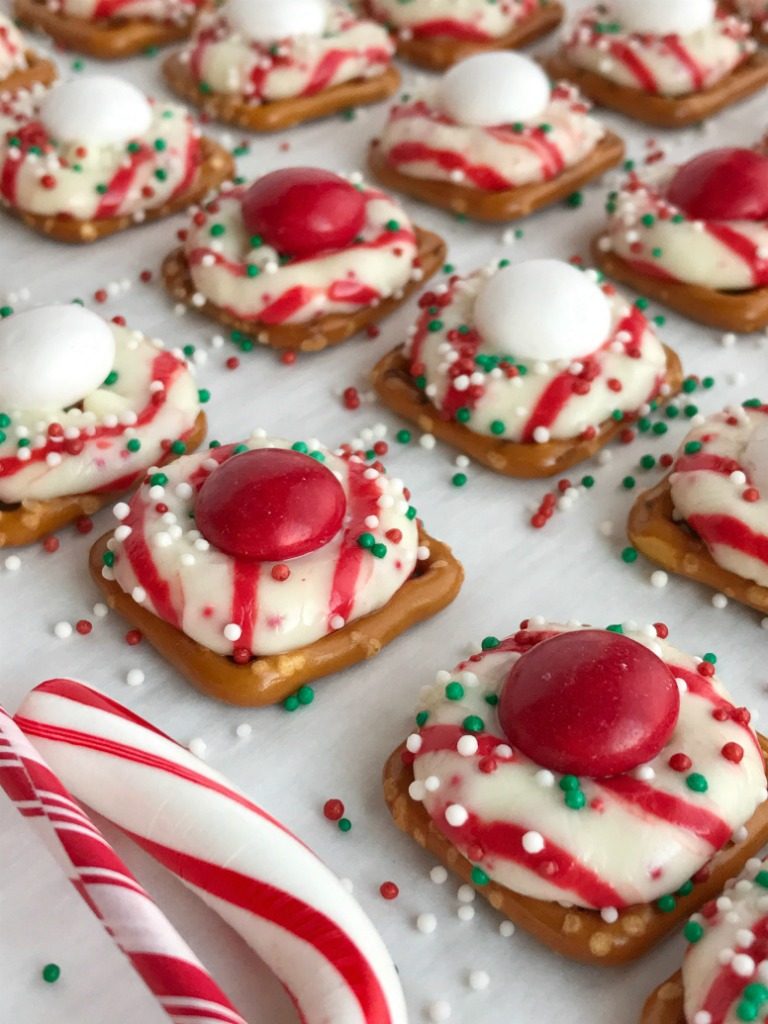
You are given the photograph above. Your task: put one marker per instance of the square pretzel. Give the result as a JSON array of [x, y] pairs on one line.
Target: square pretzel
[[276, 115], [653, 530], [508, 204], [664, 111], [31, 520], [315, 335], [105, 38], [572, 931], [267, 680], [395, 386], [216, 167], [741, 312]]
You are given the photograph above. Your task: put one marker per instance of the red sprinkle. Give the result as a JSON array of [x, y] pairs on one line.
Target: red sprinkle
[[333, 809], [133, 637], [733, 752], [101, 295], [288, 358], [280, 573], [679, 762], [706, 668], [662, 630], [51, 544], [389, 890], [232, 363], [351, 398], [241, 655], [83, 524], [83, 627]]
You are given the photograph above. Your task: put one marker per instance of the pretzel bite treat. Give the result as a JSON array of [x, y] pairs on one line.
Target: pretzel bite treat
[[725, 969], [301, 259], [266, 66], [695, 237], [493, 139], [110, 29], [529, 367], [595, 785], [666, 62], [256, 568], [86, 406], [94, 156], [21, 69], [707, 519], [438, 33]]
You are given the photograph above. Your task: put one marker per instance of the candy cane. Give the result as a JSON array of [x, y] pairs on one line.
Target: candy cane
[[161, 957], [243, 863]]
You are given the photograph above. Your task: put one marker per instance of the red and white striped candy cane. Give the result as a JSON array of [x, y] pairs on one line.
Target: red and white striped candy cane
[[243, 863], [161, 957]]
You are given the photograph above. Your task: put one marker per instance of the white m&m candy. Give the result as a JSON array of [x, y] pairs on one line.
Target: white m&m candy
[[542, 309], [664, 17], [98, 109], [52, 357], [494, 89], [267, 21]]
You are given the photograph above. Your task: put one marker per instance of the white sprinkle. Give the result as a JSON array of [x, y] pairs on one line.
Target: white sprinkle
[[743, 965], [139, 595], [134, 677], [427, 442], [465, 894], [413, 743], [478, 981], [121, 510], [232, 632], [465, 912], [609, 914], [533, 842], [702, 1017], [467, 746], [541, 435], [431, 783], [426, 923], [456, 815], [198, 747], [659, 579], [62, 630], [100, 610], [438, 1011], [544, 777], [422, 553], [13, 563], [719, 601], [244, 731], [506, 929], [416, 790], [438, 874]]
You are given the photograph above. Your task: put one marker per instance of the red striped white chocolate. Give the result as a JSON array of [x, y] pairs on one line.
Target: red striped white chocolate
[[236, 604], [421, 141], [377, 266], [464, 20], [105, 10], [719, 486], [543, 400], [246, 865], [726, 964], [665, 65], [157, 952], [655, 238], [89, 182], [639, 836], [303, 65], [12, 55]]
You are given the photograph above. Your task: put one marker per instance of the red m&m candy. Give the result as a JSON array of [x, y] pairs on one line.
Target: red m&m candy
[[589, 702], [303, 211], [269, 505], [723, 184]]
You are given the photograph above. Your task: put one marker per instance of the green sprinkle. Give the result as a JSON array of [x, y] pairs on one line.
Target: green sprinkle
[[761, 878], [696, 782], [344, 824], [421, 718], [403, 436], [379, 550], [692, 447], [755, 993], [51, 973], [111, 378], [158, 480], [305, 695], [489, 643], [473, 723], [217, 230], [291, 703], [629, 555], [628, 483], [710, 657], [498, 427], [178, 447], [300, 446], [747, 1010], [108, 558], [204, 395], [459, 479], [575, 200], [134, 445], [569, 783], [366, 540], [685, 889], [434, 326], [666, 904], [615, 628], [588, 481], [693, 931], [492, 699], [648, 461], [479, 877], [463, 415], [575, 799], [659, 428], [392, 225], [454, 691]]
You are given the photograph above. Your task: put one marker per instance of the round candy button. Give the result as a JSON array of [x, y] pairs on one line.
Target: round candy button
[[590, 703], [270, 505], [723, 184], [303, 212]]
